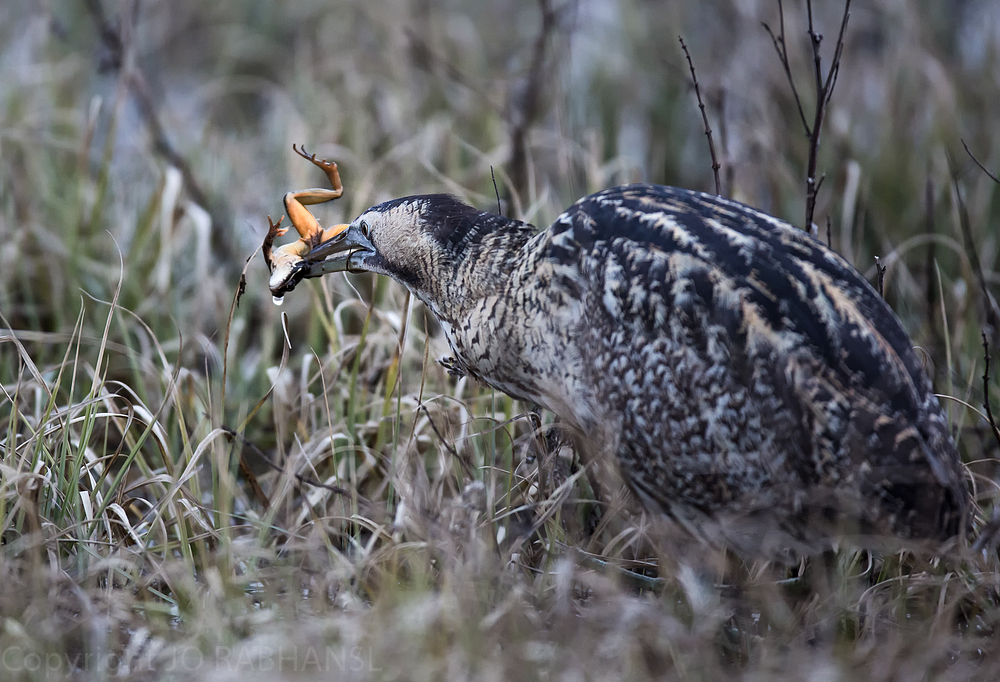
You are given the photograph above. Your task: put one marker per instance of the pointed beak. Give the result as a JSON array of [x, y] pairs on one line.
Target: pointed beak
[[344, 251]]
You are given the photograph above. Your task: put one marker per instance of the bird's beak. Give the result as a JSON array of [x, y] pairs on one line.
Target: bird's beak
[[345, 251]]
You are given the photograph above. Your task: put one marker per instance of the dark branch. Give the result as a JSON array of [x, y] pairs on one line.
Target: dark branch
[[704, 117], [824, 85], [986, 389], [881, 276], [990, 311], [782, 49], [110, 37], [495, 190], [824, 91], [981, 166], [831, 77], [425, 58]]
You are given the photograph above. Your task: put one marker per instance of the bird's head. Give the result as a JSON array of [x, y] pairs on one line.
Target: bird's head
[[429, 243]]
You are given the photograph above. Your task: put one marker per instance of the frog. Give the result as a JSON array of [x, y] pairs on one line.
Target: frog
[[289, 263]]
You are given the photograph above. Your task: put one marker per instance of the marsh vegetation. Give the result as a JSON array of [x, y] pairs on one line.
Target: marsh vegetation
[[183, 495]]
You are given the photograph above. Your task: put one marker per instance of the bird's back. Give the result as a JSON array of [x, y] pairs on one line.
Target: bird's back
[[739, 368]]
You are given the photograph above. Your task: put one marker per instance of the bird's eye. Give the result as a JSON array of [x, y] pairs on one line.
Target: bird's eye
[[366, 229]]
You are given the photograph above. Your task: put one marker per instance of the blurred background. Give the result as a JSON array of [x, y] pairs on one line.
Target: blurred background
[[101, 100], [144, 143], [156, 136]]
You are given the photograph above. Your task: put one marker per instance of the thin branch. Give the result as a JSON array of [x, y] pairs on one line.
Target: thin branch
[[140, 90], [824, 85], [990, 310], [824, 91], [495, 190], [981, 166], [447, 446], [782, 49], [881, 276], [424, 57], [110, 37], [704, 117], [831, 77], [986, 388], [815, 39]]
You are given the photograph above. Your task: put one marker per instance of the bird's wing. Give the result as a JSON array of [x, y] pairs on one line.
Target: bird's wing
[[649, 252]]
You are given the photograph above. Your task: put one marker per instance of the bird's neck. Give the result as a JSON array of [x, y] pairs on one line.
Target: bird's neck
[[513, 329], [483, 270]]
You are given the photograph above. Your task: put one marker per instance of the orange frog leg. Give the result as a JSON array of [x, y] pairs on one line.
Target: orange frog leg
[[311, 233]]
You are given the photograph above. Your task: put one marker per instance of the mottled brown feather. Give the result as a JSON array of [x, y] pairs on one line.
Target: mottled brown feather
[[748, 382]]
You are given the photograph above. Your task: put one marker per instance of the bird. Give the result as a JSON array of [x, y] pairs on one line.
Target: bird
[[747, 382]]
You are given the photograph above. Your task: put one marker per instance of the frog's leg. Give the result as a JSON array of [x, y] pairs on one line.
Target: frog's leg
[[286, 262], [311, 232]]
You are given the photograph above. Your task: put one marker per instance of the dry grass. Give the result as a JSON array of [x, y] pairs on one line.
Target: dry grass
[[412, 527]]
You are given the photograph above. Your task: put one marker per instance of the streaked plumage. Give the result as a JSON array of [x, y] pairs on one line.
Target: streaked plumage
[[749, 383]]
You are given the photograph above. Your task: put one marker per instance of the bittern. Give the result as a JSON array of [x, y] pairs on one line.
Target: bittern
[[749, 383]]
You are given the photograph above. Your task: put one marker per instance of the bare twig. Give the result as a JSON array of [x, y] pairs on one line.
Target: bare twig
[[990, 310], [824, 85], [140, 90], [447, 446], [881, 276], [781, 47], [824, 91], [986, 388], [495, 190], [704, 117], [978, 163]]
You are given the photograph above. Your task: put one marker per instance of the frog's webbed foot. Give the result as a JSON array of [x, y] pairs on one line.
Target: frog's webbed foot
[[273, 232], [328, 167]]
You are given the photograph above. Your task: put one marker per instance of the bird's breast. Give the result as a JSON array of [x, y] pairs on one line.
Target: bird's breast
[[524, 340]]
